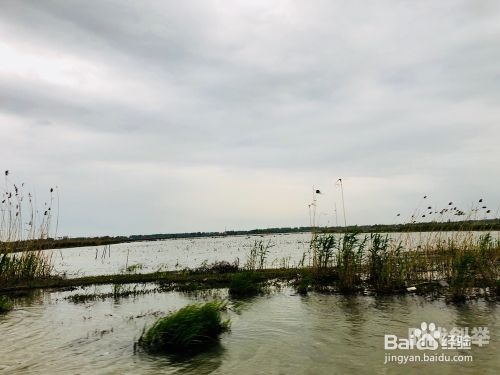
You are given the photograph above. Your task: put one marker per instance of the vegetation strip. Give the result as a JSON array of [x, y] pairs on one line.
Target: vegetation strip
[[467, 266], [208, 280]]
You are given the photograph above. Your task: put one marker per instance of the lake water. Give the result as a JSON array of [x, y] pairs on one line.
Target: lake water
[[284, 249], [280, 333], [177, 254]]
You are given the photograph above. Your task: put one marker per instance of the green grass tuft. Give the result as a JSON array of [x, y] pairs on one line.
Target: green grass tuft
[[244, 284], [5, 304], [190, 327], [303, 285]]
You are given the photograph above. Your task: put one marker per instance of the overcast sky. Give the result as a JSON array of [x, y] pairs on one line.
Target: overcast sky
[[184, 116]]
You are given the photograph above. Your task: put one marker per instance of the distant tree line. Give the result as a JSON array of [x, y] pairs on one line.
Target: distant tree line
[[470, 225]]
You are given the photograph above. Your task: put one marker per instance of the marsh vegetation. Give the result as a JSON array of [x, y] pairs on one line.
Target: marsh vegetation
[[333, 276], [460, 264], [23, 229], [191, 327], [5, 304]]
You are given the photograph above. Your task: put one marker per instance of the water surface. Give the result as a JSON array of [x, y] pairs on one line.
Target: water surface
[[280, 333], [284, 250]]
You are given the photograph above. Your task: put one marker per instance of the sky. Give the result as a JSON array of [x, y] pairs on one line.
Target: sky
[[186, 116]]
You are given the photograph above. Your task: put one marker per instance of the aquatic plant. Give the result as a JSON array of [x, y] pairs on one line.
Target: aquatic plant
[[190, 327], [244, 284], [325, 245], [25, 266], [467, 261], [258, 255], [5, 304], [217, 267], [349, 260], [301, 263], [303, 285], [86, 296], [134, 267], [190, 286], [118, 291]]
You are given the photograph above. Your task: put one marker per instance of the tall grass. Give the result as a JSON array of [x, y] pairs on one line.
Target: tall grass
[[188, 328], [467, 260], [324, 245], [382, 263], [23, 229], [25, 266], [258, 255]]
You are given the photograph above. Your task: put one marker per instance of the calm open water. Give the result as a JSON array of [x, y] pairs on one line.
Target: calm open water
[[280, 333]]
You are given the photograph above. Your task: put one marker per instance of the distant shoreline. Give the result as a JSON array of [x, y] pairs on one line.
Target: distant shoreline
[[67, 242]]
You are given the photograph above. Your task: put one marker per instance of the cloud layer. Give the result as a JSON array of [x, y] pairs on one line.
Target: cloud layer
[[157, 117]]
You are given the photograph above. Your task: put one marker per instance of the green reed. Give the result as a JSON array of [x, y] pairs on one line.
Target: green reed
[[325, 245], [258, 255], [463, 259]]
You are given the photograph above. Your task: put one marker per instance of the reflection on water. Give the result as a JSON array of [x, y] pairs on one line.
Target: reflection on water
[[206, 362], [280, 333]]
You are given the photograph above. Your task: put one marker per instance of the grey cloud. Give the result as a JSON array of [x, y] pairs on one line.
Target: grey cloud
[[303, 88]]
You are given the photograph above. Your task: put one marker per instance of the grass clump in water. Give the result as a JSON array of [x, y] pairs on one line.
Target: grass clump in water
[[5, 304], [134, 267], [190, 327], [244, 284], [217, 267], [303, 285]]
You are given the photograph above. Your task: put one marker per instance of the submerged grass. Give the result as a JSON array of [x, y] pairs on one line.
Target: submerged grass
[[190, 327], [118, 291]]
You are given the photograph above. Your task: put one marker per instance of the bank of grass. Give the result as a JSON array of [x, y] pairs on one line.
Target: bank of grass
[[23, 230], [26, 266], [459, 265], [303, 284], [372, 263], [465, 262], [191, 327], [168, 280], [468, 265]]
